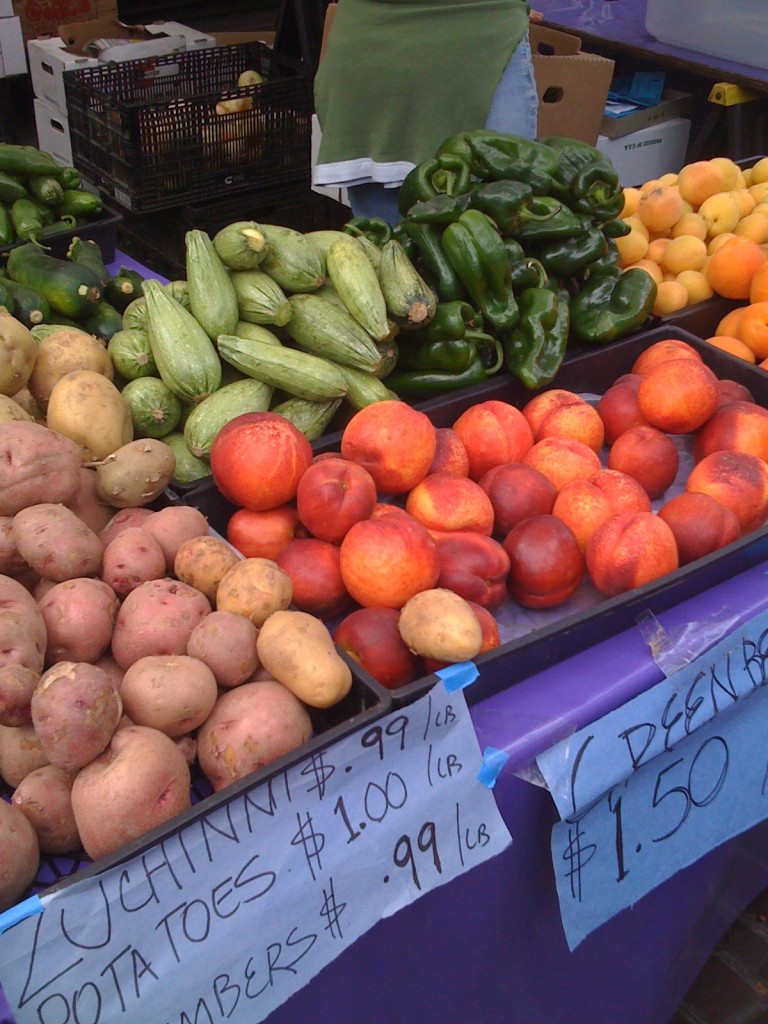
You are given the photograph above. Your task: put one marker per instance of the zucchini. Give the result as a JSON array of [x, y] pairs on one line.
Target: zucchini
[[243, 329], [323, 239], [70, 289], [184, 354], [103, 321], [371, 250], [131, 353], [260, 299], [410, 301], [43, 331], [123, 288], [155, 410], [87, 252], [292, 260], [212, 296], [207, 418], [364, 388], [46, 189], [179, 290], [311, 418], [135, 314], [325, 329], [29, 305], [352, 275], [7, 230], [188, 467], [241, 245], [297, 373], [6, 296]]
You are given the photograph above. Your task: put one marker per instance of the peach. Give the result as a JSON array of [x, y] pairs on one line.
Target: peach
[[562, 413], [647, 454], [562, 459], [619, 410], [737, 426], [516, 492], [629, 550], [450, 454], [315, 571], [371, 637], [444, 502], [584, 504], [700, 524], [494, 433], [263, 534], [393, 441], [737, 480], [660, 351], [332, 495], [546, 564], [678, 395], [387, 559]]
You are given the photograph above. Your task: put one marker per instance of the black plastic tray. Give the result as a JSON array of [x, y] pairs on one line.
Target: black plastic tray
[[102, 230]]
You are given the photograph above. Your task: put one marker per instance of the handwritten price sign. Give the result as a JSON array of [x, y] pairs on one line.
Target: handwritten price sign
[[225, 919], [684, 788]]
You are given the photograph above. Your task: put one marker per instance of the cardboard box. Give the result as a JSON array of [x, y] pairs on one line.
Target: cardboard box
[[648, 153], [572, 85], [43, 19], [674, 103], [52, 126], [12, 58]]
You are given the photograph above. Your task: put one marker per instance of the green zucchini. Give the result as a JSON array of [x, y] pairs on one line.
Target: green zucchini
[[351, 273], [88, 253], [206, 419], [29, 305], [260, 299], [188, 467], [70, 289], [131, 353], [244, 329], [155, 409], [364, 388], [241, 245], [410, 301], [46, 188], [121, 289], [311, 418], [103, 321], [292, 260], [6, 297], [323, 239], [135, 314], [212, 296], [7, 230], [297, 373], [327, 330], [184, 354]]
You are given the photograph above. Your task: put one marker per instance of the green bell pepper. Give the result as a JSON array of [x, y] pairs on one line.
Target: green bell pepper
[[476, 252], [514, 158], [433, 262], [611, 304], [375, 229], [535, 349], [552, 220], [447, 174], [563, 257]]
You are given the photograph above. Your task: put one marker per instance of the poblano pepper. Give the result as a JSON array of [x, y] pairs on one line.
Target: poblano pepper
[[433, 262], [418, 384], [513, 158], [552, 220], [376, 229], [402, 236], [442, 209], [450, 341], [476, 252], [447, 174], [586, 179], [535, 349], [563, 257], [527, 272], [612, 303], [452, 320]]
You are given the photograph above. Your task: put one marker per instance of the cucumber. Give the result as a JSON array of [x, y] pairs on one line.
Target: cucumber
[[70, 289], [131, 353], [212, 296], [207, 418], [241, 245], [351, 273], [260, 299], [188, 467], [297, 373], [311, 418], [155, 410], [292, 260], [327, 330]]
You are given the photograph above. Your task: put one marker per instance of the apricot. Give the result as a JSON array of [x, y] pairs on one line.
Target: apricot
[[585, 504], [678, 395], [629, 550], [671, 296], [393, 441], [690, 223], [737, 480], [632, 247], [720, 213], [699, 180], [561, 459], [517, 492], [562, 413], [737, 426], [660, 351], [546, 564], [647, 454], [619, 410], [444, 502], [685, 252], [696, 285], [731, 268], [731, 172], [661, 207], [493, 433], [734, 346], [700, 524]]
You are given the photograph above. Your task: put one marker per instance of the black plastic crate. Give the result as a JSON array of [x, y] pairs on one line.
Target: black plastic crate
[[147, 132], [102, 230]]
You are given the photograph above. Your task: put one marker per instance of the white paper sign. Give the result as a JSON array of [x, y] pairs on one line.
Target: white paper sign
[[227, 918]]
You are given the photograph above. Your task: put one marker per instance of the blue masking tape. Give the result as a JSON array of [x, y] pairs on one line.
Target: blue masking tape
[[27, 908], [493, 761], [458, 676]]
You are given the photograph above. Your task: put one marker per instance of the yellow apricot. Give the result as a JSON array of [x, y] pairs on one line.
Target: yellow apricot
[[659, 208], [686, 252], [714, 243], [631, 247], [760, 171], [730, 171], [670, 296], [637, 225], [696, 284], [651, 268], [759, 191], [690, 224], [745, 199], [651, 183], [656, 250], [720, 212], [631, 199], [734, 346], [754, 226], [699, 180]]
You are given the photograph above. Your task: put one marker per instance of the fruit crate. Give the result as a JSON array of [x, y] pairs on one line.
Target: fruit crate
[[102, 230], [147, 132], [535, 640]]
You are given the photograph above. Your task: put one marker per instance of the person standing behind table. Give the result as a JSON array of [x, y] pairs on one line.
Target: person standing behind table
[[400, 76]]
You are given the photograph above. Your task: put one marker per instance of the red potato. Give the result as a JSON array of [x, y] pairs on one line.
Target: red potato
[[23, 636], [248, 728], [19, 854], [17, 684], [11, 562], [55, 543], [226, 643], [140, 781], [87, 505], [36, 464], [108, 664], [45, 798], [75, 711], [173, 525], [173, 693], [79, 616], [21, 752], [157, 618], [134, 556], [121, 520]]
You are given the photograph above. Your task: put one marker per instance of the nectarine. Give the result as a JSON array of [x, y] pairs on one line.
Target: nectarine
[[629, 550], [546, 564], [494, 433], [393, 441]]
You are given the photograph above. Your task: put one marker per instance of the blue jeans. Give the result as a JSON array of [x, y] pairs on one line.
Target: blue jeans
[[514, 110]]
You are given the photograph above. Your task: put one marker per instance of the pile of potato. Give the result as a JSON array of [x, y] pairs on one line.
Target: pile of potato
[[132, 645]]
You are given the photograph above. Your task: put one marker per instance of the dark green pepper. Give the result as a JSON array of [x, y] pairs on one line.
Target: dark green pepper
[[401, 235], [27, 220], [442, 209], [535, 349], [586, 179], [447, 174], [513, 158], [7, 230], [433, 262], [617, 227], [563, 257], [527, 272], [451, 354], [476, 252], [513, 249], [375, 229], [610, 259], [551, 219], [611, 304], [419, 384], [505, 202], [11, 188], [451, 321]]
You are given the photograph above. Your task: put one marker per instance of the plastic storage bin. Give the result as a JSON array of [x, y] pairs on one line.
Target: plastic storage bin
[[737, 30]]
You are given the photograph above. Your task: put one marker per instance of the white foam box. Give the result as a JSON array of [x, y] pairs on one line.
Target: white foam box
[[13, 60], [648, 153], [52, 127]]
